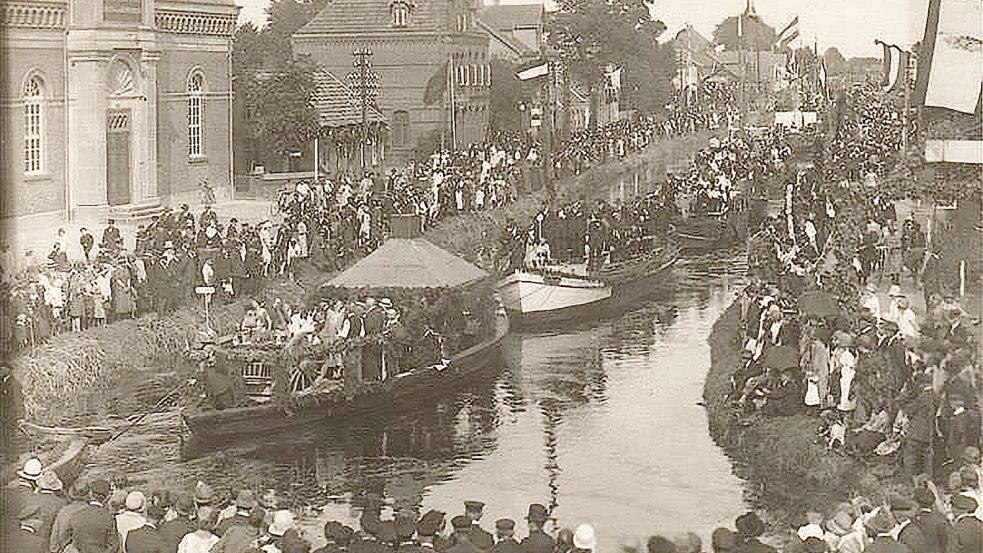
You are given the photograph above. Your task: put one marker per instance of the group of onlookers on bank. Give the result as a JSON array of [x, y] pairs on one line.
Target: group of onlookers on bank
[[94, 515]]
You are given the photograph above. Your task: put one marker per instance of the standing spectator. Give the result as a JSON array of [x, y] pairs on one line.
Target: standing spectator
[[86, 241], [112, 239]]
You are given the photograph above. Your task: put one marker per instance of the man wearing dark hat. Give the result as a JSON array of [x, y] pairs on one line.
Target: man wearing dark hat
[[25, 539], [461, 538], [146, 539], [112, 239], [368, 540], [245, 504], [879, 528], [479, 537], [932, 523], [967, 530], [434, 520], [172, 531], [660, 544], [723, 540], [537, 541], [908, 533], [505, 537], [93, 528], [78, 497], [749, 529], [405, 528], [426, 532], [337, 536]]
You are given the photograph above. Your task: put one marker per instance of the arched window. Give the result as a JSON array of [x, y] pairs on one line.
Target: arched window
[[33, 125], [400, 11], [401, 129], [196, 114]]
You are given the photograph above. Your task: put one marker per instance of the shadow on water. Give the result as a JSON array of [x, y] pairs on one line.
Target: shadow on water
[[601, 422]]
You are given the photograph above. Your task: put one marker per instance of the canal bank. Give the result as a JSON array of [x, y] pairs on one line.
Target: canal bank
[[788, 469], [102, 374]]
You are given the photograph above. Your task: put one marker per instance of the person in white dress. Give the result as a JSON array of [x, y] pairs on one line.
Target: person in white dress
[[202, 539], [845, 365]]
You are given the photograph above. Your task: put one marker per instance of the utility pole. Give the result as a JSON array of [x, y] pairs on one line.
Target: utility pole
[[365, 88], [549, 122]]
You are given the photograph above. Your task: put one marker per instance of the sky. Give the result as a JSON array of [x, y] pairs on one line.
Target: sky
[[850, 25]]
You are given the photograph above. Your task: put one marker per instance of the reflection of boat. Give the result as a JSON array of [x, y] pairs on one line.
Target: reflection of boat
[[572, 293], [220, 424]]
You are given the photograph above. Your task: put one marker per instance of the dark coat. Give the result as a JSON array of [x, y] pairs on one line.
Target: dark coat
[[48, 504], [481, 539], [884, 544], [537, 542], [24, 541], [967, 535], [172, 531], [752, 545], [913, 536], [93, 530], [144, 539], [507, 546], [936, 529]]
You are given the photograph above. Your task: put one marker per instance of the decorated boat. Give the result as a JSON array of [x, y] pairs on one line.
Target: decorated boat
[[282, 386], [566, 293]]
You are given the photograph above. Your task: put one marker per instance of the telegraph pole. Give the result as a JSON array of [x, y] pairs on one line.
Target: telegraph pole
[[365, 88]]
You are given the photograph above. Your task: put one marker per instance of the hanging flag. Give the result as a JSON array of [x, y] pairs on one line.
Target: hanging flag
[[951, 72], [436, 86], [788, 34], [538, 69], [824, 78], [894, 66]]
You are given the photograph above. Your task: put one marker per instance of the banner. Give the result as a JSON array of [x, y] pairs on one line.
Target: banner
[[952, 74]]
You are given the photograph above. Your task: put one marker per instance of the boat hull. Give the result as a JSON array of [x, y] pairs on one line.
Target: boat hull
[[532, 296], [222, 425]]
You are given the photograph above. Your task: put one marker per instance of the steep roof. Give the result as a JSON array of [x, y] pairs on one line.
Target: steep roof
[[409, 263], [516, 46], [372, 16], [508, 17], [332, 101]]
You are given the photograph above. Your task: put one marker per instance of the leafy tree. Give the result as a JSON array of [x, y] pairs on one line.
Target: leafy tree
[[590, 35], [285, 18], [283, 119], [835, 61], [758, 35], [507, 92]]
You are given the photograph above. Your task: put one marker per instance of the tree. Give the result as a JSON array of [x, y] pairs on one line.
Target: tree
[[284, 120], [507, 92], [285, 18], [757, 35], [591, 35], [835, 61]]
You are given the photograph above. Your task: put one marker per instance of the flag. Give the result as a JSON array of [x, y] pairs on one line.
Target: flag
[[740, 26], [824, 78], [894, 66], [436, 85], [951, 72], [788, 34], [538, 69]]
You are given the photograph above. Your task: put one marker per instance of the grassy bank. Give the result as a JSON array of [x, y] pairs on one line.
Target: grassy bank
[[789, 470], [124, 367]]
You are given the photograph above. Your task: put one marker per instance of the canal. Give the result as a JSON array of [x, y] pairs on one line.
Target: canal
[[601, 422]]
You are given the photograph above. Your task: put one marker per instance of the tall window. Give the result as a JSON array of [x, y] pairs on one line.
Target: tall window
[[196, 115], [400, 10], [462, 22], [33, 125], [401, 129]]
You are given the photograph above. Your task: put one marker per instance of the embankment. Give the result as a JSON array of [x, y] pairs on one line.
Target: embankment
[[119, 369], [787, 466]]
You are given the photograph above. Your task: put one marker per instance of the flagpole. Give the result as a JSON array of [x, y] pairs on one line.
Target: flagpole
[[904, 114]]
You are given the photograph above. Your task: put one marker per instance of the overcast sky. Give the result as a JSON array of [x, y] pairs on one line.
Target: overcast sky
[[850, 25]]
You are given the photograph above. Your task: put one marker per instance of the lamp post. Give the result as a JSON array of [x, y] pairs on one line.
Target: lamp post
[[364, 89]]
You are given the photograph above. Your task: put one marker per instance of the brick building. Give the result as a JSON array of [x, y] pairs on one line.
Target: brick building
[[413, 42], [113, 107]]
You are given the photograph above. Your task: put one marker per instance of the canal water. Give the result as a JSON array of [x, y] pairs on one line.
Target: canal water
[[602, 423]]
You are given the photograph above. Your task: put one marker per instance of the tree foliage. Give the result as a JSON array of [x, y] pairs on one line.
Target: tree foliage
[[590, 35], [758, 35], [507, 92], [283, 119]]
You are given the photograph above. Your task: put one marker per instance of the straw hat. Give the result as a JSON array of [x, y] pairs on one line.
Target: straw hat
[[894, 291], [135, 501], [584, 538], [32, 469], [282, 521]]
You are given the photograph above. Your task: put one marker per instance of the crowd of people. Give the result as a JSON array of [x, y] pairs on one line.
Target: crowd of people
[[96, 515]]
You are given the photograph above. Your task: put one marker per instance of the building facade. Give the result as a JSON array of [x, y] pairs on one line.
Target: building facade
[[114, 107], [431, 59], [515, 31]]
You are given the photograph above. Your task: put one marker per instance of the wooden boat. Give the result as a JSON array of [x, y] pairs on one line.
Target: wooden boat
[[534, 298], [714, 231], [216, 425]]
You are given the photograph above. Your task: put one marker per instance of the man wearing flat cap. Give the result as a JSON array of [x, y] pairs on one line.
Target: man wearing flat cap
[[405, 529], [505, 537], [967, 530], [479, 537], [433, 522], [537, 541], [461, 538]]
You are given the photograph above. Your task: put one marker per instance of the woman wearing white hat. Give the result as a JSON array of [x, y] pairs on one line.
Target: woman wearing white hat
[[584, 538]]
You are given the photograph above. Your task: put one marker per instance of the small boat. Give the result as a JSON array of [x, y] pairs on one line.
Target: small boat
[[710, 232], [218, 425], [562, 294]]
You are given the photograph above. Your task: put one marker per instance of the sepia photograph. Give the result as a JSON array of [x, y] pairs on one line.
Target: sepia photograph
[[491, 276]]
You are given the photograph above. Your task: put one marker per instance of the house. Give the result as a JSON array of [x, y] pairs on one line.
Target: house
[[515, 31], [114, 107], [431, 59]]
